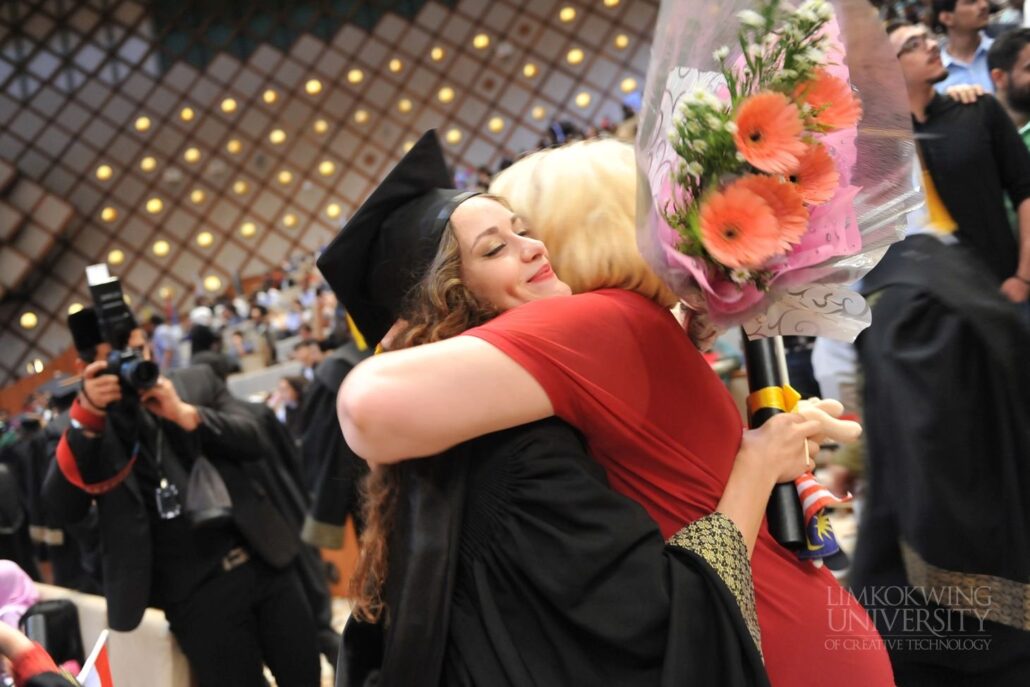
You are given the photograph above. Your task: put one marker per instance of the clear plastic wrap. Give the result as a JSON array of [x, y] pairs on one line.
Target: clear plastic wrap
[[846, 238]]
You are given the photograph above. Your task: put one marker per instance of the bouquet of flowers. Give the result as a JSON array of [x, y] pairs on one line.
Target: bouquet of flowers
[[767, 185], [766, 188]]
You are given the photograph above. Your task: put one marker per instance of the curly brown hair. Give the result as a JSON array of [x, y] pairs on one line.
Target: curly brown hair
[[438, 307]]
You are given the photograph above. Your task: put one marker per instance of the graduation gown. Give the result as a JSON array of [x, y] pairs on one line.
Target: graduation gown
[[332, 471], [947, 416], [513, 563], [74, 549], [279, 477], [17, 504]]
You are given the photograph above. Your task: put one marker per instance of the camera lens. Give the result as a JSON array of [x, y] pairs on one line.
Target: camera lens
[[141, 374]]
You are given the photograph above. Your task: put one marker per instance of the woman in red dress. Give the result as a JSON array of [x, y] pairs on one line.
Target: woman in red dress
[[616, 365]]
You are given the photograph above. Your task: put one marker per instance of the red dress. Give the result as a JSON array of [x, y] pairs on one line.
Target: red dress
[[619, 368]]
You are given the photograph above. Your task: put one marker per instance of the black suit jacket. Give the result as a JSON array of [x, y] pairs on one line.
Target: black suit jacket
[[228, 434]]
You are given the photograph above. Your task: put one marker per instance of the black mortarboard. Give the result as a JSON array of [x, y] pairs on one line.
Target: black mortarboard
[[62, 389], [386, 247]]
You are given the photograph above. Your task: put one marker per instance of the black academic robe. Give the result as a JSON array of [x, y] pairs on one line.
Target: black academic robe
[[332, 471], [947, 417], [74, 549], [15, 543], [513, 563], [279, 477]]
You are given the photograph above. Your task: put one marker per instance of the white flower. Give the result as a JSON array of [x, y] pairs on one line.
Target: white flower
[[751, 18], [820, 8], [802, 62], [721, 54], [695, 169], [793, 33], [731, 127], [701, 96], [740, 276], [713, 122], [754, 51], [673, 137], [700, 146], [815, 55], [808, 16], [740, 157]]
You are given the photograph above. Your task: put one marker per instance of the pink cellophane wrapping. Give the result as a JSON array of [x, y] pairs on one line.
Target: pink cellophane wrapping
[[847, 236]]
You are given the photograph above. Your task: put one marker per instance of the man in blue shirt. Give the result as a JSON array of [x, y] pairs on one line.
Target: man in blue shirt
[[965, 55], [165, 340]]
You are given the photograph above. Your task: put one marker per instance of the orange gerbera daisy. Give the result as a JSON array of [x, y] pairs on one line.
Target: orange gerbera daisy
[[834, 104], [739, 229], [783, 199], [816, 176], [769, 132]]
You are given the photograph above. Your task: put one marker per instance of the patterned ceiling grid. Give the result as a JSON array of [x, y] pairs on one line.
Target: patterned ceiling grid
[[188, 168]]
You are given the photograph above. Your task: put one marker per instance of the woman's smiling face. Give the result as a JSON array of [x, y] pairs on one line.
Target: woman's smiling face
[[501, 263]]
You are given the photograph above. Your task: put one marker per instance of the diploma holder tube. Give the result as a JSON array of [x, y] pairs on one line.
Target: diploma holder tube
[[767, 367]]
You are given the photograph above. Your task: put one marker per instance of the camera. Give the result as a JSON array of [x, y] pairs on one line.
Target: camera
[[132, 370], [111, 321]]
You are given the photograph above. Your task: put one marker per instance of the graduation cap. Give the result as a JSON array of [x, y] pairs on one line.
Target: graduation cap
[[62, 388], [389, 243], [29, 422]]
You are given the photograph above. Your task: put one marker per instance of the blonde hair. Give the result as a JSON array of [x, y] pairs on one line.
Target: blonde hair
[[580, 200]]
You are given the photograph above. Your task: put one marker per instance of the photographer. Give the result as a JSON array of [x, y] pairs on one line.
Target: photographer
[[225, 583]]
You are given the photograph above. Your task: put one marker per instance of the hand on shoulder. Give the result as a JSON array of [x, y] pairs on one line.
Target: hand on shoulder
[[967, 94]]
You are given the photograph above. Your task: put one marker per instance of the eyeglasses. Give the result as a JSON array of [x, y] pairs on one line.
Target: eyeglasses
[[920, 41]]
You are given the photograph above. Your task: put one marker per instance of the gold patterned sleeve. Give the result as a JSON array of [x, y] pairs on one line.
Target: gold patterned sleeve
[[716, 539]]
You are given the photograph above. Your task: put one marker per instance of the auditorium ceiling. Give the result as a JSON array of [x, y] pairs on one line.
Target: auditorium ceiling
[[194, 144]]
